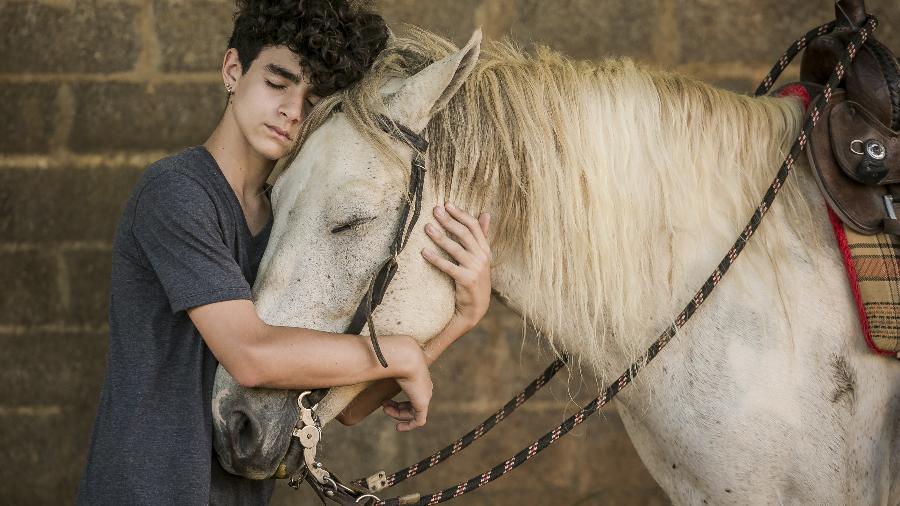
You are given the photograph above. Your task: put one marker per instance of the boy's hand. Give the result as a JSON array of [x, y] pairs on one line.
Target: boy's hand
[[401, 411], [416, 384], [472, 254]]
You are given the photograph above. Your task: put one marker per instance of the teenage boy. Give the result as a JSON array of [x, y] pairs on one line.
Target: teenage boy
[[186, 253]]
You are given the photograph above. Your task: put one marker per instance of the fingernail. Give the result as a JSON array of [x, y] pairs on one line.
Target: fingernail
[[450, 205], [426, 252], [429, 228], [439, 210]]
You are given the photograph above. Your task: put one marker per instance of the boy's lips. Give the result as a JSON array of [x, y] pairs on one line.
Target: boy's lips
[[281, 133]]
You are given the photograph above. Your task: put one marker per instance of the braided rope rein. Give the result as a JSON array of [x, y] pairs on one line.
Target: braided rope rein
[[812, 118]]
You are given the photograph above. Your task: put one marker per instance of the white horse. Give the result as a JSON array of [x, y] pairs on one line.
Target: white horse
[[615, 191]]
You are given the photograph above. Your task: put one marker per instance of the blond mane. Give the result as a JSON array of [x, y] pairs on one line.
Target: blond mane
[[596, 172]]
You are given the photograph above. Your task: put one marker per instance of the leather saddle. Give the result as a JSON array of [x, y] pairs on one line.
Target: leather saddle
[[854, 149]]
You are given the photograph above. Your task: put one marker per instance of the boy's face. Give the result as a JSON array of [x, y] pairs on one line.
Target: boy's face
[[270, 100]]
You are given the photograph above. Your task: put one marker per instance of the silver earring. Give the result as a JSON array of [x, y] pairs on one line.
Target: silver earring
[[229, 89]]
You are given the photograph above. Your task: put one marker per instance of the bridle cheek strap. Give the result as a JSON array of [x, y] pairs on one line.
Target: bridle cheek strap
[[405, 224], [413, 201]]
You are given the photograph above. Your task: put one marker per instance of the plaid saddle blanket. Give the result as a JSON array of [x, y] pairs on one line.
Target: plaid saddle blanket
[[873, 269]]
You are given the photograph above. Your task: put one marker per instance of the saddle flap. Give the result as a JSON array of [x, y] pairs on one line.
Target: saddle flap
[[852, 127]]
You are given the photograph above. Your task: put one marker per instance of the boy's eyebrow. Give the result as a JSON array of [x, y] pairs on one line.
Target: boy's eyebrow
[[283, 72]]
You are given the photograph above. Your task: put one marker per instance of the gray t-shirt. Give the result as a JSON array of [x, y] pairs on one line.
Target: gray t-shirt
[[182, 242]]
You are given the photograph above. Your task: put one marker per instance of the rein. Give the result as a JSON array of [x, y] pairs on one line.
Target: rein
[[361, 491]]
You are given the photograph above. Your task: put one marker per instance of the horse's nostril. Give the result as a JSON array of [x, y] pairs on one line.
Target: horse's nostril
[[243, 431]]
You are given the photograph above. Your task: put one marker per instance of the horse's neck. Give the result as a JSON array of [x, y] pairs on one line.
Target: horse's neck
[[659, 212]]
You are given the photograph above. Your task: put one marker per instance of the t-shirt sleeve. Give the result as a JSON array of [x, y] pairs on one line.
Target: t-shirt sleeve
[[178, 230]]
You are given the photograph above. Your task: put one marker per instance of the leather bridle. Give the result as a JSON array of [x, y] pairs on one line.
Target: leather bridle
[[308, 428]]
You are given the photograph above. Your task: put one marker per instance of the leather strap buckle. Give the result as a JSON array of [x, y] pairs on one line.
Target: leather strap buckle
[[889, 203]]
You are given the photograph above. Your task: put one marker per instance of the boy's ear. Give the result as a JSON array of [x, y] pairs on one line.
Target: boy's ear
[[231, 67]]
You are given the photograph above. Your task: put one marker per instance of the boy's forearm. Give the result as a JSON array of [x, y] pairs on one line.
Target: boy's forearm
[[293, 358]]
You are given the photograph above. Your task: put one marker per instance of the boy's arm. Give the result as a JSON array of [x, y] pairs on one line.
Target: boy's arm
[[260, 355]]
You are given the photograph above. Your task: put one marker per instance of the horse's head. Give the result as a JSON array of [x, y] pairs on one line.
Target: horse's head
[[337, 207]]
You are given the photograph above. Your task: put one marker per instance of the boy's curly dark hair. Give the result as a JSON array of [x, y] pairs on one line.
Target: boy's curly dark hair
[[336, 41]]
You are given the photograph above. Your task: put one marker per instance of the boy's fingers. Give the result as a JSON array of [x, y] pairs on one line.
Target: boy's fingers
[[400, 414], [474, 226], [452, 247], [451, 269], [402, 409], [456, 227]]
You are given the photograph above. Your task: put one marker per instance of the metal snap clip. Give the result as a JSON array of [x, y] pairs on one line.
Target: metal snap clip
[[300, 401], [853, 150]]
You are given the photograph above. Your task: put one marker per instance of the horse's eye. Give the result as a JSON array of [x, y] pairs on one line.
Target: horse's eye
[[350, 225]]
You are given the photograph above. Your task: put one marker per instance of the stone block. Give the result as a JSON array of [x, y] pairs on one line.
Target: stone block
[[744, 31], [29, 114], [43, 452], [757, 33], [737, 85], [453, 20], [193, 36], [88, 284], [51, 385], [79, 36], [589, 29], [888, 14], [53, 369], [489, 496], [609, 466], [32, 292], [63, 205], [127, 116]]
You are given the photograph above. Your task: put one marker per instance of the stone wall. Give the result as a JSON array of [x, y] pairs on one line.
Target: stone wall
[[92, 91]]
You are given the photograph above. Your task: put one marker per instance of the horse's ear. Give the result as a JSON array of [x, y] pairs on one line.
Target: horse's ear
[[420, 96]]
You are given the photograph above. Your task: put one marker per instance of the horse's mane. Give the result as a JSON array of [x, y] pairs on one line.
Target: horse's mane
[[597, 172]]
